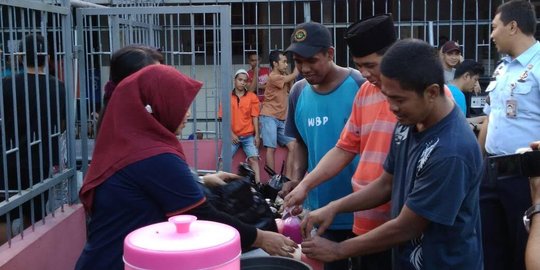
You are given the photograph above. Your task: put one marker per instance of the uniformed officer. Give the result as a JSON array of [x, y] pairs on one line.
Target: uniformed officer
[[513, 122]]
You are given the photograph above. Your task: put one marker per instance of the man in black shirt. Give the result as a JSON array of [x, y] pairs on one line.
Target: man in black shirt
[[34, 114]]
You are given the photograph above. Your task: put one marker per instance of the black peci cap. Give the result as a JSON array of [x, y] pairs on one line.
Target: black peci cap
[[370, 35]]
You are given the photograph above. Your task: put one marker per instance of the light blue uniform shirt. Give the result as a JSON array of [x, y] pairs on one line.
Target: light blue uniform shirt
[[317, 119], [514, 79]]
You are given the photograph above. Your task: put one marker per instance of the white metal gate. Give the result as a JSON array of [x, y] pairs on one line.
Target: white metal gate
[[37, 163], [194, 39]]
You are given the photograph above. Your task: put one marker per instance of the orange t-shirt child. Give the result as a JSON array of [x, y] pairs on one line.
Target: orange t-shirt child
[[243, 109]]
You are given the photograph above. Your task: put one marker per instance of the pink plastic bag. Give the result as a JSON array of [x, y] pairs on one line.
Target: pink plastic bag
[[291, 228]]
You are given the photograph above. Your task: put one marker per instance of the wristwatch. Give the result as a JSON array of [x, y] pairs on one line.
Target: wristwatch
[[527, 217]]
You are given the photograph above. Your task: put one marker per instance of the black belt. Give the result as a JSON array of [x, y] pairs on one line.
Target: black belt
[[503, 167]]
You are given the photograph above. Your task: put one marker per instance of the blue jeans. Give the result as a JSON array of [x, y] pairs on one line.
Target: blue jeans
[[248, 144], [273, 132]]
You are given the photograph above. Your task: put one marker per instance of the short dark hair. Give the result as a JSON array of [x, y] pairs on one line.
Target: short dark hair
[[274, 57], [469, 66], [522, 12], [414, 64], [250, 53], [32, 49]]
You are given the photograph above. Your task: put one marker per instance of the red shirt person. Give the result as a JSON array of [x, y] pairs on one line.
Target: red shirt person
[[257, 75]]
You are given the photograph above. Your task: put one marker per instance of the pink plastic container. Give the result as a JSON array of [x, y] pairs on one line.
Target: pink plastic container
[[183, 243]]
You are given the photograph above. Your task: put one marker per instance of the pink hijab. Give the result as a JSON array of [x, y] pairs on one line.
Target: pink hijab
[[142, 116]]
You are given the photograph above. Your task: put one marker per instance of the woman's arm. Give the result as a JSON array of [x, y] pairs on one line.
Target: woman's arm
[[272, 243]]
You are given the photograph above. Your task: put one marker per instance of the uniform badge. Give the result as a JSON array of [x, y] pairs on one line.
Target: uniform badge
[[523, 76]]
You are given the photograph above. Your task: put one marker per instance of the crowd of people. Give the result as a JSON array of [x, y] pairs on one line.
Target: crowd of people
[[395, 171], [439, 187]]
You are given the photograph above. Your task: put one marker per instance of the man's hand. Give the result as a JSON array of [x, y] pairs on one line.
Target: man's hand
[[321, 249], [296, 196], [254, 85], [234, 138], [257, 141], [322, 217], [218, 179], [288, 187], [275, 243]]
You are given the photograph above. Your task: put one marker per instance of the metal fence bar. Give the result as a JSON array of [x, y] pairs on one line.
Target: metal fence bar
[[30, 183]]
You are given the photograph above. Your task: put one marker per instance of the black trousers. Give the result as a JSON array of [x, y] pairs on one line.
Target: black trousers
[[503, 200]]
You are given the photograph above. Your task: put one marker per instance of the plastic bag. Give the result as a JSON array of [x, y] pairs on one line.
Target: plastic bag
[[240, 199], [291, 227]]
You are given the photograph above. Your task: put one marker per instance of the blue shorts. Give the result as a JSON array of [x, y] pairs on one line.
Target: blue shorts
[[248, 144], [273, 132]]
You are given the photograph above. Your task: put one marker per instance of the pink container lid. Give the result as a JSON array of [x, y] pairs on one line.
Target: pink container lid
[[182, 243]]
